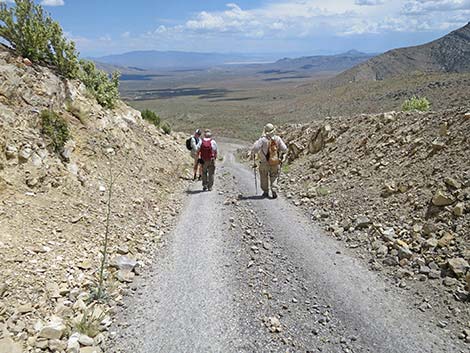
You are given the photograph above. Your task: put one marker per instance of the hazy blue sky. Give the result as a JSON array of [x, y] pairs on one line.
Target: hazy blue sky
[[260, 26]]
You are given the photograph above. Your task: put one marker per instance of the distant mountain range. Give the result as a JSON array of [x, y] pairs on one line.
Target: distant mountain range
[[169, 60], [450, 53], [142, 62], [321, 63]]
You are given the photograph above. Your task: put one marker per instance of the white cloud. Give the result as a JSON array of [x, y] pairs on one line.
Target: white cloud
[[291, 24], [52, 2], [369, 2], [303, 18], [105, 38], [419, 7]]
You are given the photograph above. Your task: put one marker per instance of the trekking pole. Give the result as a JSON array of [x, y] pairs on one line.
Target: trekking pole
[[256, 177], [280, 168]]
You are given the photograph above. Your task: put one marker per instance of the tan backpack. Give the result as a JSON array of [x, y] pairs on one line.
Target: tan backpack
[[273, 153]]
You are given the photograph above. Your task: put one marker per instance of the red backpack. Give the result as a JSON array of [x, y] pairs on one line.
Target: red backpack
[[207, 153]]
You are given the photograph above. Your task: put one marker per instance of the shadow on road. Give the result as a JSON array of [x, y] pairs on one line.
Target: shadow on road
[[252, 197], [194, 192]]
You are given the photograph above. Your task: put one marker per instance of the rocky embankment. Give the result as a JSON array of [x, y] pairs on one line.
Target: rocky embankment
[[53, 209], [395, 186]]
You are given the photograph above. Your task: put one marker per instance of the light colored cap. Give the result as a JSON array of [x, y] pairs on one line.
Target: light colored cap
[[269, 129], [207, 133]]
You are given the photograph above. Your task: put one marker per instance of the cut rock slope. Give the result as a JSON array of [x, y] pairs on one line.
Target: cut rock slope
[[396, 186], [53, 208]]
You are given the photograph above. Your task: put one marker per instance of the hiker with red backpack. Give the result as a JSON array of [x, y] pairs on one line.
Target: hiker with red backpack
[[193, 144], [208, 155], [270, 149]]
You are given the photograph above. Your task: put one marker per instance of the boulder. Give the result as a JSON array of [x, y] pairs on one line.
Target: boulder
[[54, 329], [25, 154], [27, 62], [389, 188], [323, 136], [125, 275], [445, 240], [25, 308], [459, 209], [85, 340], [7, 345], [430, 243], [438, 145], [73, 346], [57, 345], [11, 152], [68, 150], [123, 263], [273, 324], [429, 229], [452, 183], [294, 151], [41, 343], [390, 261], [123, 249], [458, 266], [363, 222], [404, 252], [442, 199]]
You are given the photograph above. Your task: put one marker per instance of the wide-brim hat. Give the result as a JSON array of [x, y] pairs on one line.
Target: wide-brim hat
[[207, 133], [269, 129]]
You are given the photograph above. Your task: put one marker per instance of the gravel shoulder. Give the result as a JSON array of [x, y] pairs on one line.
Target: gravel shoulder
[[244, 274]]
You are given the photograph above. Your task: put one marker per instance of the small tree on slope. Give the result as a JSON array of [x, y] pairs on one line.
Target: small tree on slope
[[36, 36]]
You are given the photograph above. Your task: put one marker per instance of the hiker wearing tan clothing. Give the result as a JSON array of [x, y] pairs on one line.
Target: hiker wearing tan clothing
[[269, 147]]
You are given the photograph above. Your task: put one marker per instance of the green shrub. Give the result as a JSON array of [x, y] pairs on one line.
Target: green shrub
[[104, 88], [89, 323], [36, 36], [33, 34], [151, 117], [416, 103], [55, 128], [166, 127]]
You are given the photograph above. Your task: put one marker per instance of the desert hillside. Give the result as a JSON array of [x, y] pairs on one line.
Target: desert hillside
[[449, 54], [394, 186], [53, 206], [356, 239]]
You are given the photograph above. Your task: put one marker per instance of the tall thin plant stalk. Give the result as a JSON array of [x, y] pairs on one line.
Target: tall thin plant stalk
[[111, 181]]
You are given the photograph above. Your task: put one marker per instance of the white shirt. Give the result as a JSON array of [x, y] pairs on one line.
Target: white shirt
[[262, 145], [195, 146]]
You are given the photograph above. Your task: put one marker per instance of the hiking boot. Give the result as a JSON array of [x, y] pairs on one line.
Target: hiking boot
[[265, 194], [199, 178], [204, 188], [274, 195], [209, 189]]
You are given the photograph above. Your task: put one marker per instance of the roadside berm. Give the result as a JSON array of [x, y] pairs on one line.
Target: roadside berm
[[396, 187]]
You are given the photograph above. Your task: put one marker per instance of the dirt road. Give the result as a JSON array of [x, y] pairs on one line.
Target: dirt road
[[245, 274]]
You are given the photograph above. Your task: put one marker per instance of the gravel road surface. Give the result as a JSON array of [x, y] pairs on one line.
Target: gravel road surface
[[245, 274]]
